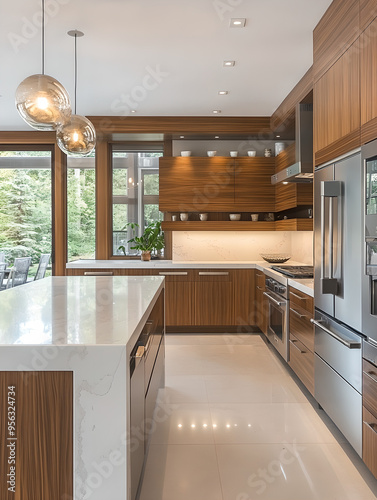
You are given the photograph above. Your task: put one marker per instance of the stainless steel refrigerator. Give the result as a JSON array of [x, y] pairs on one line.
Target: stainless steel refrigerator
[[338, 278]]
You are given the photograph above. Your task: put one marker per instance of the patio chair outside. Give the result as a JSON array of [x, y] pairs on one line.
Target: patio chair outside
[[19, 272], [42, 266], [3, 266]]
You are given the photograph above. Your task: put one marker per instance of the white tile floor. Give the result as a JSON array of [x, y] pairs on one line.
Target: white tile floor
[[233, 424]]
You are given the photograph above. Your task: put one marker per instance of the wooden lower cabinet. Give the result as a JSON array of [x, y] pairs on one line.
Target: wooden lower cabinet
[[200, 297], [179, 303], [301, 337], [213, 303], [261, 302], [370, 441], [301, 360]]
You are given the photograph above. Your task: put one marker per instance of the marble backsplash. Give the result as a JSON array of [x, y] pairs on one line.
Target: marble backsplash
[[216, 246]]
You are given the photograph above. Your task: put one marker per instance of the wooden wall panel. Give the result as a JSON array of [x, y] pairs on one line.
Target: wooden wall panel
[[286, 158], [199, 125], [103, 201], [44, 432], [59, 201], [368, 12], [336, 31], [283, 114], [337, 103], [368, 71]]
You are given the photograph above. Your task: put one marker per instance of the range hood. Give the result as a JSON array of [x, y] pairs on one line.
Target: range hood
[[302, 169]]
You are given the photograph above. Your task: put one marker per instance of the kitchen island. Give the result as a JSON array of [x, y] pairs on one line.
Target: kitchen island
[[65, 384]]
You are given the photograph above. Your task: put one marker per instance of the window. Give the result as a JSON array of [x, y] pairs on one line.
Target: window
[[81, 207], [25, 206], [135, 194]]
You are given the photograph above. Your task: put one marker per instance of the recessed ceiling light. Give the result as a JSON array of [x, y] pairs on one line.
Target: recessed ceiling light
[[285, 182], [216, 111], [223, 92], [238, 22], [181, 136], [133, 110], [278, 137], [217, 137], [229, 63]]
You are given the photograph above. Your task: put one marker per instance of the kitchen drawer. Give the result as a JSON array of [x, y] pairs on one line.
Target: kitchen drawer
[[301, 299], [261, 280], [370, 387], [301, 360], [213, 275], [300, 325], [370, 441], [177, 274]]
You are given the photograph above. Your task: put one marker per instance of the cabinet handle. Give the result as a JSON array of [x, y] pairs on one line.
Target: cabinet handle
[[173, 274], [294, 345], [202, 273], [98, 273], [297, 296], [371, 375], [372, 427], [297, 313]]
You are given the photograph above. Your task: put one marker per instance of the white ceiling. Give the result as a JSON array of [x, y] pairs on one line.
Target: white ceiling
[[188, 40]]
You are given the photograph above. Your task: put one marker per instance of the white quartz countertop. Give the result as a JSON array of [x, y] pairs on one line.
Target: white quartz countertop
[[77, 310], [304, 285]]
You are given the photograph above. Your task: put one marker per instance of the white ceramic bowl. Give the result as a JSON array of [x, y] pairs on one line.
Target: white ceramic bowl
[[233, 153], [183, 216], [235, 216], [211, 153], [203, 216], [252, 153], [185, 153]]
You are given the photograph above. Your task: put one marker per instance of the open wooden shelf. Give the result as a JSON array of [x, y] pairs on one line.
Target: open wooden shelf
[[294, 225], [281, 225], [218, 226]]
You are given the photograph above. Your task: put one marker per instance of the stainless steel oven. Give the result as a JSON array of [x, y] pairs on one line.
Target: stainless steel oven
[[277, 318]]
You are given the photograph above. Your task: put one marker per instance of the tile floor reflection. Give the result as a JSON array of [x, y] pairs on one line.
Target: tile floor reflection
[[238, 426]]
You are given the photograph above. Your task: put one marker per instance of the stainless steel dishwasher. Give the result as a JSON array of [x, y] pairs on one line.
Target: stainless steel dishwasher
[[137, 361]]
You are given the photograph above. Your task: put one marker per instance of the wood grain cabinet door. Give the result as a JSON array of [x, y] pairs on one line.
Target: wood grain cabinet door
[[337, 108], [253, 189], [214, 298], [196, 184]]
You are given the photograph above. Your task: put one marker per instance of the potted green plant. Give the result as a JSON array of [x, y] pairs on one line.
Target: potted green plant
[[151, 240]]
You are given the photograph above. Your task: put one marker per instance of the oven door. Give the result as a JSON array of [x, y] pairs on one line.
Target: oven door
[[277, 323]]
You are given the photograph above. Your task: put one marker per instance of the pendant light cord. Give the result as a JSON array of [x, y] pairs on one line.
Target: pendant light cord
[[43, 37], [75, 73]]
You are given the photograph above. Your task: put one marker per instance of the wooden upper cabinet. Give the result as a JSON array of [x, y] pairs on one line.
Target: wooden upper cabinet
[[334, 34], [368, 12], [253, 188], [196, 184], [216, 184], [286, 158], [368, 68], [337, 108]]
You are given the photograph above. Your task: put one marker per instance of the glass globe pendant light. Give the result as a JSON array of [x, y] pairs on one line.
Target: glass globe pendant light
[[78, 136], [41, 100]]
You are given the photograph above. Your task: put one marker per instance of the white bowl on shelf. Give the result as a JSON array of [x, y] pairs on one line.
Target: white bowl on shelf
[[211, 153], [235, 216], [185, 153]]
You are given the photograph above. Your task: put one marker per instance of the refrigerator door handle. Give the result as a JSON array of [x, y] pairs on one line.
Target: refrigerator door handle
[[331, 190]]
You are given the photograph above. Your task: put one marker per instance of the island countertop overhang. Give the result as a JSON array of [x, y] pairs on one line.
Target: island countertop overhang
[[78, 311]]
